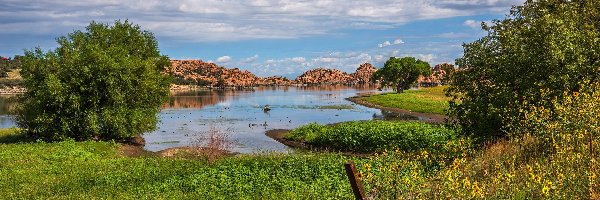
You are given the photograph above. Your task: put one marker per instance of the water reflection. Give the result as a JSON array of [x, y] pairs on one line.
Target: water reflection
[[8, 103], [189, 114]]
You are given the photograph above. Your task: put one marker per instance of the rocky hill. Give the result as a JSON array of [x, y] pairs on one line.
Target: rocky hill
[[321, 75], [209, 74], [197, 72], [363, 74]]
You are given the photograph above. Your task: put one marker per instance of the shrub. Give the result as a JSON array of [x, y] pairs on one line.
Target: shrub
[[102, 83], [543, 44]]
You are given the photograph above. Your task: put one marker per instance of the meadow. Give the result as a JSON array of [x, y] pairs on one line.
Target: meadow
[[424, 100], [406, 160]]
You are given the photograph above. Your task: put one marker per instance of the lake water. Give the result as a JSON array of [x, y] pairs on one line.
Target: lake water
[[189, 116]]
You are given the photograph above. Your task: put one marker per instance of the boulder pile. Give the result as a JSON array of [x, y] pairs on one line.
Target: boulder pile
[[197, 72]]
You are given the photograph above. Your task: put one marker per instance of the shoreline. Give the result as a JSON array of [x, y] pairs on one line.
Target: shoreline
[[425, 117]]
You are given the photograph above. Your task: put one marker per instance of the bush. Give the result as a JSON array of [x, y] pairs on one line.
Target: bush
[[104, 83], [542, 45]]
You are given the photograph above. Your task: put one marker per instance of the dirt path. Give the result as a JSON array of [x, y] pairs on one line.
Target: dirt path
[[426, 117]]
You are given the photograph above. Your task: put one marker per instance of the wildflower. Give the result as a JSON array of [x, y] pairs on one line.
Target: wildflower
[[466, 183]]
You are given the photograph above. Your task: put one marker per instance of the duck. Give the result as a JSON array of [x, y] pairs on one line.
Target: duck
[[266, 108]]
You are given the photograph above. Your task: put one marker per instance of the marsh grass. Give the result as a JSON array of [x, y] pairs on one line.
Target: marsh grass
[[372, 136]]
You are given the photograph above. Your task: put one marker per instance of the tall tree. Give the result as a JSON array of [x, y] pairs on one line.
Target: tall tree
[[401, 73], [543, 49], [104, 83]]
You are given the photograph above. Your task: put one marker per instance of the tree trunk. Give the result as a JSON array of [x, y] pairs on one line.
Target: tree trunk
[[399, 88]]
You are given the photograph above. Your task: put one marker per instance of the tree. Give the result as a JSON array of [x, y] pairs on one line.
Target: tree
[[401, 73], [542, 50], [104, 83]]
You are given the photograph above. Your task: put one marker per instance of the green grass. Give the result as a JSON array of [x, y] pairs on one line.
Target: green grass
[[369, 136], [425, 100], [95, 170]]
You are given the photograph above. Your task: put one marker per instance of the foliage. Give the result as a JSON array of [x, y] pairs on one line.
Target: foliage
[[370, 136], [401, 73], [541, 46], [8, 64], [553, 155], [424, 100], [104, 83], [95, 170]]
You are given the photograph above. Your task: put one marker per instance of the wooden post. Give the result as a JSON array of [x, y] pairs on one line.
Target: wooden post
[[357, 187]]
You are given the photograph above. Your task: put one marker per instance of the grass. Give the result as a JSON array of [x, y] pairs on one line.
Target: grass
[[519, 168], [96, 170], [425, 100], [370, 136]]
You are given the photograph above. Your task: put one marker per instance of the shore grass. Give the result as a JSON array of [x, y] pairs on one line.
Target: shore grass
[[424, 100], [96, 170], [371, 136]]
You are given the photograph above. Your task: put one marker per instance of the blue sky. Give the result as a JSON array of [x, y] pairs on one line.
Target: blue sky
[[267, 37]]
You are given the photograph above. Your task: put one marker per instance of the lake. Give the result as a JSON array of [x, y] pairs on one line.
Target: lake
[[189, 116]]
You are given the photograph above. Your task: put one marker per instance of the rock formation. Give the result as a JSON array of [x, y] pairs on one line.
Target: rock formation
[[197, 72], [322, 75], [363, 74]]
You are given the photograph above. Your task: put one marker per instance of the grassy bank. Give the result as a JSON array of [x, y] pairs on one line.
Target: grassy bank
[[424, 100], [96, 170], [370, 136]]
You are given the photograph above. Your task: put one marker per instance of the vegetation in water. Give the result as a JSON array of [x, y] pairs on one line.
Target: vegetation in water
[[424, 100], [370, 136]]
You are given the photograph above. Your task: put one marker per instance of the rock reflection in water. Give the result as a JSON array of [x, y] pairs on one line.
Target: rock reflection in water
[[190, 112]]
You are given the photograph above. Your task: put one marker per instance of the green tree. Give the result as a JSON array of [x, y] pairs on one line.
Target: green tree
[[543, 46], [102, 83], [401, 73]]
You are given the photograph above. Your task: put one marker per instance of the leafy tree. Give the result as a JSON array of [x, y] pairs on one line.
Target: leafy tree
[[543, 46], [102, 83], [401, 73]]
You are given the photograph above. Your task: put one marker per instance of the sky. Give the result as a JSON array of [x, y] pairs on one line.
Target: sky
[[267, 37]]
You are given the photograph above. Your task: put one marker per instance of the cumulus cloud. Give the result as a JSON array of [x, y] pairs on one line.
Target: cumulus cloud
[[224, 59], [388, 43], [217, 20], [249, 59]]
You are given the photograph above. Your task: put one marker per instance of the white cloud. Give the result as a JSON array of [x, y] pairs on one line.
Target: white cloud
[[233, 20], [299, 59], [385, 44], [472, 23], [398, 41], [476, 24], [388, 43], [250, 59], [224, 59], [327, 59]]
